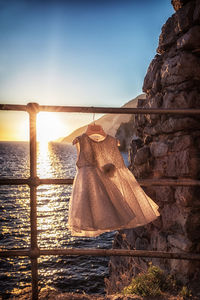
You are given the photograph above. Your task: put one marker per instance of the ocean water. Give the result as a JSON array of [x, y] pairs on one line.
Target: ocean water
[[65, 273]]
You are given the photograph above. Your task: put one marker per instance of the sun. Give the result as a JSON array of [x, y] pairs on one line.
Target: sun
[[49, 127]]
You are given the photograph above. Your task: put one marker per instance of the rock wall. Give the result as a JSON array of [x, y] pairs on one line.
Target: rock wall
[[125, 134], [172, 81]]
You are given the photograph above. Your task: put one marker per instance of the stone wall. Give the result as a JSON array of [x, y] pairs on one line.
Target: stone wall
[[172, 81]]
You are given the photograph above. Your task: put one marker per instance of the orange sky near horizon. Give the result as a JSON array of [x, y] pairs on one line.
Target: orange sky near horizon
[[14, 126]]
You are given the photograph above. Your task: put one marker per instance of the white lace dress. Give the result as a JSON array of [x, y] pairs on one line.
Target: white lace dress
[[106, 195]]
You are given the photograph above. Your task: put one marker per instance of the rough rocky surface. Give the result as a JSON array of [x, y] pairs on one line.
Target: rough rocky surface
[[172, 81], [51, 294], [177, 4], [111, 297]]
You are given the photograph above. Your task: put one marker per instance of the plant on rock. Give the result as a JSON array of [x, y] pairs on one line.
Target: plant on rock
[[151, 283]]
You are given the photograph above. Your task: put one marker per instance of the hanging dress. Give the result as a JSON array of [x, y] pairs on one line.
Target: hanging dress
[[105, 194]]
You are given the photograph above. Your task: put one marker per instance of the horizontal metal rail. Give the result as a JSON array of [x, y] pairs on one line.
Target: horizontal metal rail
[[143, 182], [15, 107], [99, 110], [35, 181], [100, 252]]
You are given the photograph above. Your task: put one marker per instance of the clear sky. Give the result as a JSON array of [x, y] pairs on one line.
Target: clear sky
[[90, 53]]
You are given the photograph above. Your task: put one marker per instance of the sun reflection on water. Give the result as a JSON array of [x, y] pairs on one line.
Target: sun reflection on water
[[44, 163], [52, 207]]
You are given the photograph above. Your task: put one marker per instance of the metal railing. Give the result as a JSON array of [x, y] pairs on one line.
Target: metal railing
[[33, 182]]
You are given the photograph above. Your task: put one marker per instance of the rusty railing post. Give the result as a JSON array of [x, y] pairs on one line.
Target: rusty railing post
[[32, 109]]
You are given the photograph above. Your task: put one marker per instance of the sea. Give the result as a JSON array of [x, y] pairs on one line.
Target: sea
[[80, 274]]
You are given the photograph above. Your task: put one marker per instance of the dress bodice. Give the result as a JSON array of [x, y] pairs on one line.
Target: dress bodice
[[98, 153]]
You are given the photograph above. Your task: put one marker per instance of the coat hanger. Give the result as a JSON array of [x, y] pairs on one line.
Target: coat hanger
[[95, 129]]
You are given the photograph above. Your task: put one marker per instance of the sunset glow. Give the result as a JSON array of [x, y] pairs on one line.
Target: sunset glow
[[49, 127]]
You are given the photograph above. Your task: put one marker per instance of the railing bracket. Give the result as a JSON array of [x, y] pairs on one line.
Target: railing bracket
[[33, 107], [34, 253]]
